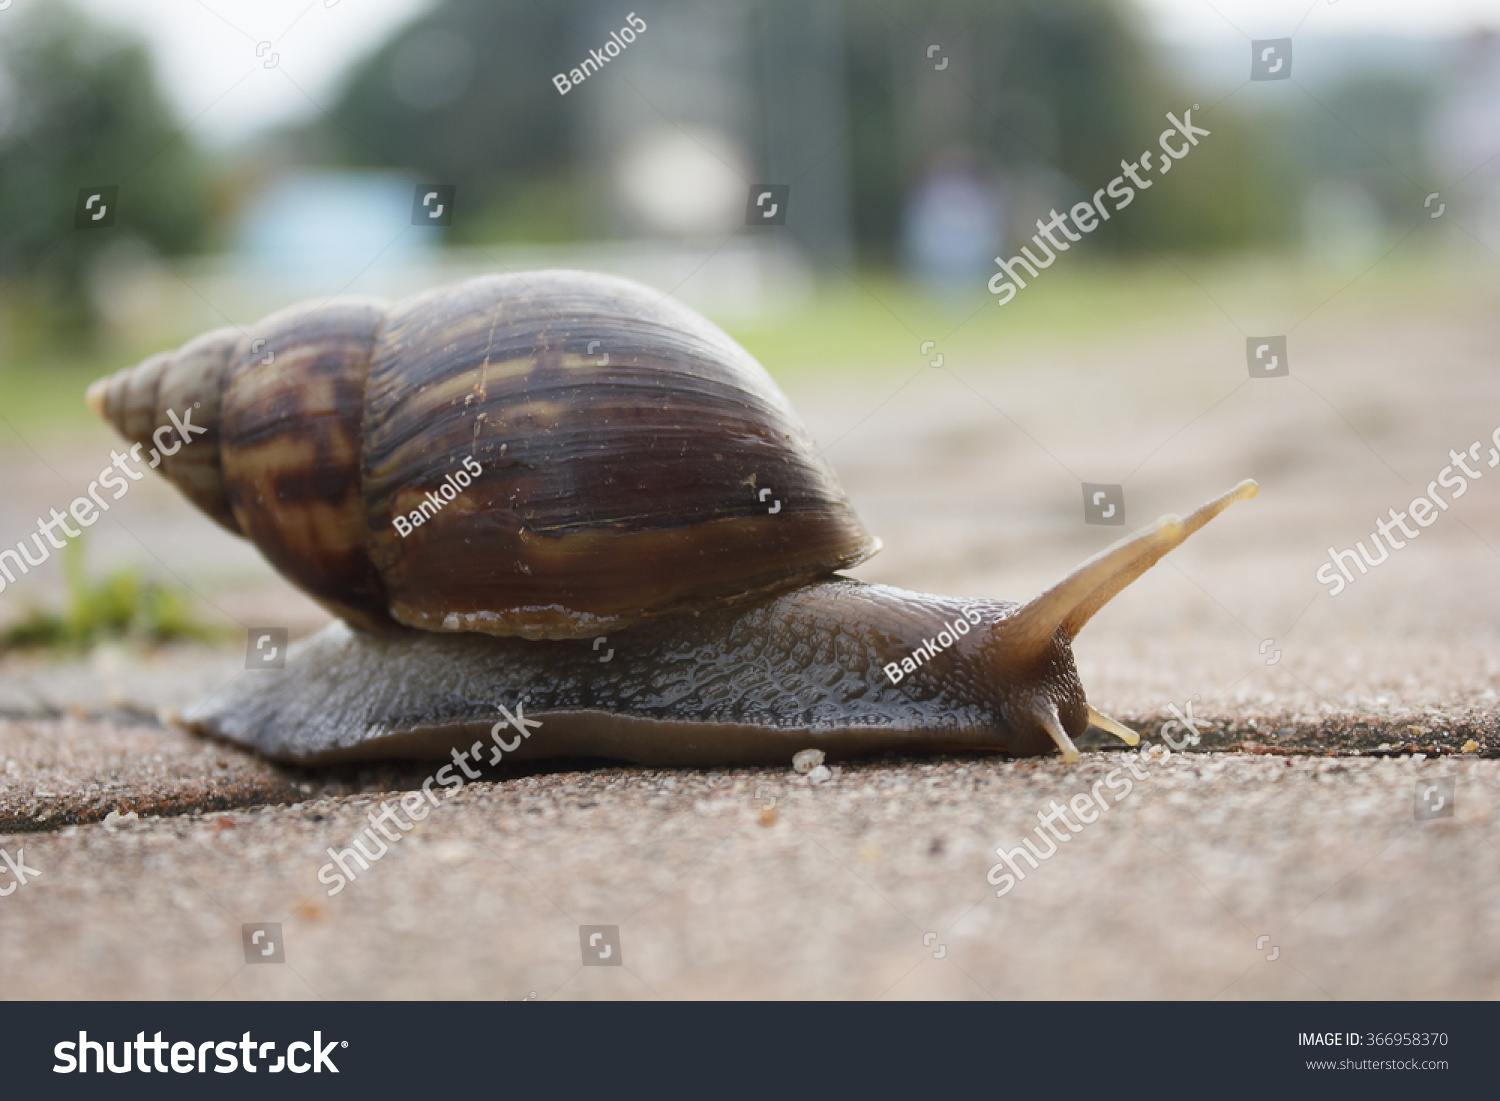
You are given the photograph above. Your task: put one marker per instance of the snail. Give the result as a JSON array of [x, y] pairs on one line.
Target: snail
[[565, 493]]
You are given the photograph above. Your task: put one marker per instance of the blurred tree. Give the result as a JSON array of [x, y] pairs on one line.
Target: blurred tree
[[464, 95], [1060, 89], [79, 107]]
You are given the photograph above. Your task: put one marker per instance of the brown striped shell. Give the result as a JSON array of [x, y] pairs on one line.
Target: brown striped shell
[[621, 443]]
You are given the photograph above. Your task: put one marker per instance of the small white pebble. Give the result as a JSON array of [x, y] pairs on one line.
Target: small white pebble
[[114, 820], [807, 760], [819, 774], [452, 853]]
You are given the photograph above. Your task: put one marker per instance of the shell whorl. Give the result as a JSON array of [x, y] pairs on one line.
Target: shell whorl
[[622, 441], [291, 441], [136, 402]]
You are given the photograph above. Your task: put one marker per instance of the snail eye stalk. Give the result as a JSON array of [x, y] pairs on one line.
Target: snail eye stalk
[[1072, 602]]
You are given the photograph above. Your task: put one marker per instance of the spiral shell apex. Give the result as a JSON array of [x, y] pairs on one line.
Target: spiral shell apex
[[551, 455]]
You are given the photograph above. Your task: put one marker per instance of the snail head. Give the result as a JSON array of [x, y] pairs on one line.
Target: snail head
[[1036, 640]]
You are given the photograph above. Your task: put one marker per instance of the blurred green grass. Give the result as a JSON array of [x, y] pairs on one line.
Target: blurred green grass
[[881, 320], [877, 319], [120, 605], [45, 390]]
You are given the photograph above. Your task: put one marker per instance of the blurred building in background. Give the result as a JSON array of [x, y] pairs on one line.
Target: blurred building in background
[[1466, 133], [954, 222], [326, 223]]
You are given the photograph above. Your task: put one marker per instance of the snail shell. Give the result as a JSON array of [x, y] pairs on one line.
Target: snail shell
[[623, 446]]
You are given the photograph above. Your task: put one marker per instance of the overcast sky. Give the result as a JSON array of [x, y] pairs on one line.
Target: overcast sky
[[206, 50], [1177, 19]]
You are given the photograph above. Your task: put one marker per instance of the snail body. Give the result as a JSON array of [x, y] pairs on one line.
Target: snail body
[[574, 456]]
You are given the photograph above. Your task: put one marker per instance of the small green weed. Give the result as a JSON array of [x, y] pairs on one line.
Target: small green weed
[[122, 604]]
